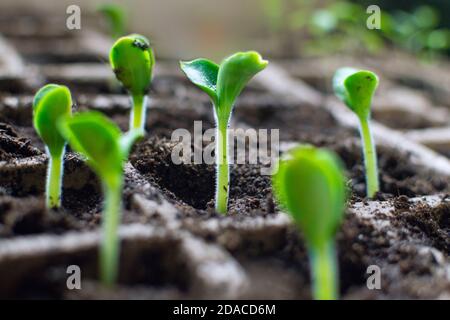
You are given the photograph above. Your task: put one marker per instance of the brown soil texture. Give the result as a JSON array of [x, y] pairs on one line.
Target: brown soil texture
[[276, 267], [193, 185]]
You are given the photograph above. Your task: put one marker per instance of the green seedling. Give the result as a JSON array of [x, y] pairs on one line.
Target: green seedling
[[310, 185], [50, 103], [100, 141], [132, 60], [223, 83], [356, 89], [116, 18]]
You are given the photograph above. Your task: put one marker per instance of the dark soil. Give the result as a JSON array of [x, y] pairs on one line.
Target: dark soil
[[276, 263], [12, 146], [192, 186], [29, 216], [359, 244], [433, 223], [250, 191]]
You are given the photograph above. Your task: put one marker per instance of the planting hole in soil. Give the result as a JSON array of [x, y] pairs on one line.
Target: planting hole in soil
[[313, 171]]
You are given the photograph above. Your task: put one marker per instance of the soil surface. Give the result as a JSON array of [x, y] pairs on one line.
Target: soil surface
[[250, 193], [410, 247]]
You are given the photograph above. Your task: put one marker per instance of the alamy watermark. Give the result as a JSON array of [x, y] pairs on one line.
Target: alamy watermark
[[245, 146], [73, 21], [374, 279], [373, 22], [73, 281]]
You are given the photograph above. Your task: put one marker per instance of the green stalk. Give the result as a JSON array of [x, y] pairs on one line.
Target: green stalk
[[109, 251], [137, 120], [54, 179], [370, 158], [324, 271], [223, 174]]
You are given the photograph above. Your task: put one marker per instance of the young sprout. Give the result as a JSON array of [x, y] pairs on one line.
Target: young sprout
[[223, 84], [116, 18], [356, 89], [100, 141], [50, 103], [132, 60], [310, 185]]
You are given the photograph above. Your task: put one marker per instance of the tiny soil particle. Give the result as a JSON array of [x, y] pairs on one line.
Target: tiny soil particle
[[140, 44]]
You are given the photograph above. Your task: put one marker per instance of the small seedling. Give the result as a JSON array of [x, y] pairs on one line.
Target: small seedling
[[132, 60], [116, 18], [50, 103], [223, 84], [310, 185], [100, 141], [356, 89]]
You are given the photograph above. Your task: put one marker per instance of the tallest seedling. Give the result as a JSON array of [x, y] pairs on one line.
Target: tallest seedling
[[356, 89], [132, 60], [223, 84]]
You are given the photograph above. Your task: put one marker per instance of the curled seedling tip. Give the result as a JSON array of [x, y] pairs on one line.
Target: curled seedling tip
[[223, 83], [51, 103], [356, 89], [310, 185]]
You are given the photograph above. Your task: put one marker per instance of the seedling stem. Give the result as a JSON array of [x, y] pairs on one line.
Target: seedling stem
[[137, 119], [370, 158], [109, 251], [323, 271], [54, 179], [223, 174]]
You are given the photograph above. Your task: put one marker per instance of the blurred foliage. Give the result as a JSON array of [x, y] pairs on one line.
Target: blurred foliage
[[324, 27], [419, 31], [116, 17], [409, 6]]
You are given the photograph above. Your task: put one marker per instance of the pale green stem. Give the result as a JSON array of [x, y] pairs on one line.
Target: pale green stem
[[137, 118], [370, 158], [54, 179], [324, 271], [222, 166], [109, 250]]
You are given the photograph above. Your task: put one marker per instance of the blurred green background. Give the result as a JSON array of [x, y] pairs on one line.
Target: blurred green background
[[329, 27], [278, 28]]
